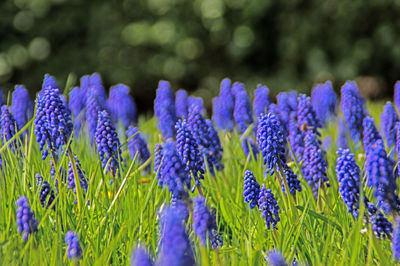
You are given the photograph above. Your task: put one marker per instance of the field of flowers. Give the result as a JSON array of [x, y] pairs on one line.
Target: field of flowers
[[295, 180]]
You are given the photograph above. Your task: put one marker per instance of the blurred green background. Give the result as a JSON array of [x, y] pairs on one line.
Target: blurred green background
[[195, 43]]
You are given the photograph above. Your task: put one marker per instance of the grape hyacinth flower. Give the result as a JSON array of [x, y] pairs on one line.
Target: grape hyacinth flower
[[158, 157], [188, 151], [237, 87], [164, 109], [107, 143], [223, 107], [348, 175], [242, 112], [341, 140], [306, 115], [21, 106], [173, 172], [53, 123], [287, 105], [203, 222], [261, 100], [26, 221], [381, 227], [137, 145], [81, 176], [74, 250], [46, 195], [324, 102], [1, 97], [140, 257], [379, 171], [314, 164], [396, 240], [77, 106], [92, 108], [251, 189], [207, 139], [275, 258], [8, 126], [370, 133], [181, 105], [96, 86], [274, 109], [296, 140], [397, 94], [175, 247], [353, 108], [388, 120], [291, 180], [271, 142], [122, 106], [268, 207], [196, 102]]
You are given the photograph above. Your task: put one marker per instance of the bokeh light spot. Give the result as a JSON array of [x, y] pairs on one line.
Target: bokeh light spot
[[243, 36], [39, 48], [23, 21]]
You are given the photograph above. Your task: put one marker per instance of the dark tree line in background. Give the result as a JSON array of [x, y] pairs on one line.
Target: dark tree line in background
[[194, 44]]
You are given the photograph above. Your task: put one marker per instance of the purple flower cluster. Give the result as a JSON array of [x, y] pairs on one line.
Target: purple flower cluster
[[74, 250], [8, 126], [81, 176], [46, 194], [291, 180], [261, 100], [107, 143], [137, 145], [275, 258], [141, 258], [380, 225], [397, 94], [204, 222], [21, 106], [388, 120], [348, 175], [370, 133], [53, 123], [324, 102], [26, 221], [353, 108], [223, 107], [251, 189], [158, 157], [164, 109], [268, 207], [287, 105], [242, 112], [122, 106], [306, 116], [181, 105], [296, 140], [396, 240]]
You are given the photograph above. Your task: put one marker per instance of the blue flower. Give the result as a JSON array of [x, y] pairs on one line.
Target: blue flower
[[251, 189], [107, 143], [268, 207], [341, 140], [223, 107], [379, 171], [381, 227], [53, 123], [140, 257], [348, 175], [74, 250], [291, 180], [306, 115], [203, 221], [274, 109], [370, 133], [287, 105], [237, 87], [396, 240], [81, 176], [271, 142], [275, 258], [188, 151], [158, 157], [46, 194], [8, 126], [314, 163], [77, 106], [353, 108], [207, 139], [242, 113], [21, 106], [181, 105], [388, 120], [324, 102], [122, 106], [137, 145], [261, 100], [397, 94], [1, 97], [173, 172], [26, 221], [296, 140], [164, 109], [197, 103], [175, 247], [250, 147]]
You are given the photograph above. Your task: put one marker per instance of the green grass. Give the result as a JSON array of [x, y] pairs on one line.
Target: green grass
[[119, 217]]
